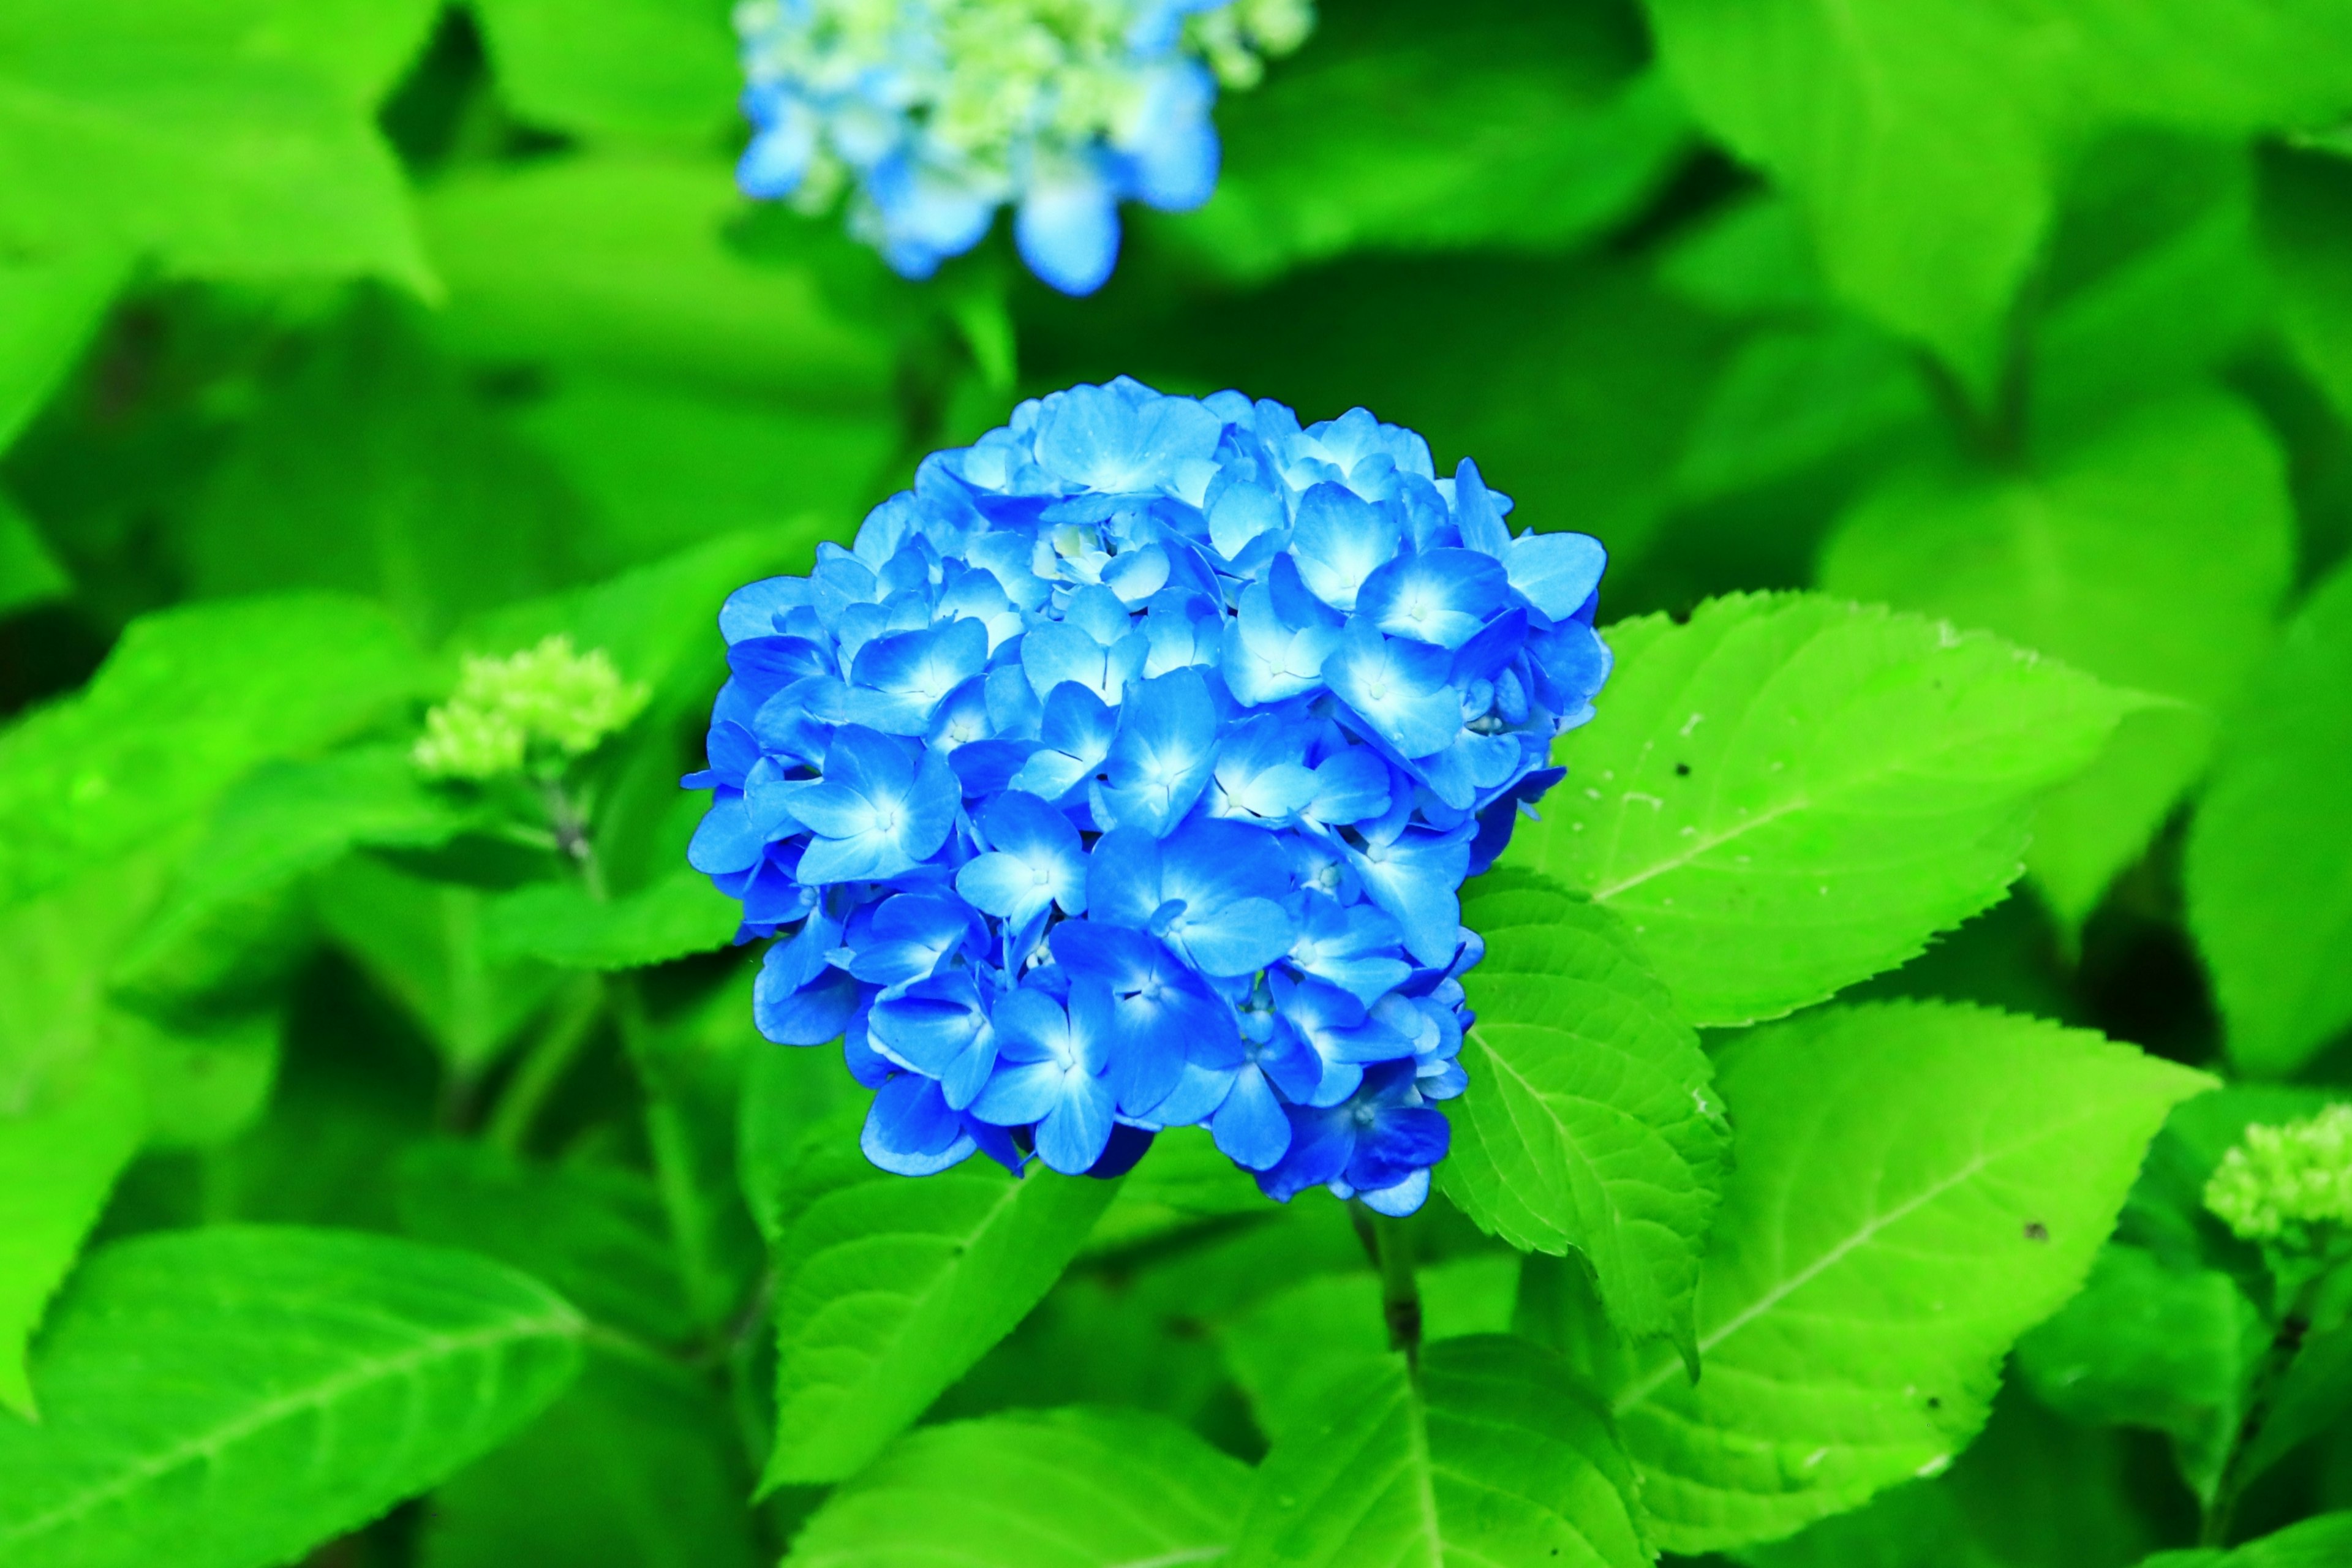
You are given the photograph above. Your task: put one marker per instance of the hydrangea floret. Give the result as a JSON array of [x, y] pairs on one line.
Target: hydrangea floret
[[941, 112], [1124, 776], [545, 704], [2289, 1187]]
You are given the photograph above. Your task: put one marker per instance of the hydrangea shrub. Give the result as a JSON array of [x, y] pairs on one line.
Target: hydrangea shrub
[[1123, 774]]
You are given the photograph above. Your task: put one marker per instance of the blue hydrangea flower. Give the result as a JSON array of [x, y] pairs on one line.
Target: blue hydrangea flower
[[943, 110], [1124, 774]]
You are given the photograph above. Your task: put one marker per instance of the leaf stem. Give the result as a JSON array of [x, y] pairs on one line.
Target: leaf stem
[[542, 1068], [1388, 1244], [2285, 1345]]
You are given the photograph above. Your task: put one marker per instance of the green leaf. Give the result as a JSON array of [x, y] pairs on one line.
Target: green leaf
[[2268, 865], [1496, 1458], [2152, 553], [638, 1466], [375, 469], [1591, 1123], [1916, 1186], [1183, 1181], [284, 820], [2148, 1345], [1919, 1525], [188, 702], [227, 1398], [423, 942], [1925, 139], [2306, 229], [658, 70], [1794, 399], [595, 1233], [889, 1287], [2316, 1542], [1044, 1488], [205, 1080], [29, 573], [1791, 794], [619, 262], [216, 138], [48, 309], [560, 924], [61, 1150], [1506, 128]]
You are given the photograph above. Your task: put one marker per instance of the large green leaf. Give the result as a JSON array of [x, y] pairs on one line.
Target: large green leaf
[[189, 700], [618, 261], [1590, 1122], [227, 1398], [1791, 794], [224, 136], [1925, 139], [2270, 854], [1916, 1186], [1505, 127], [638, 1466], [2152, 553], [659, 70], [49, 309], [2319, 1542], [2148, 1345], [2306, 212], [560, 924], [1494, 1456], [1048, 1488], [888, 1289], [373, 468]]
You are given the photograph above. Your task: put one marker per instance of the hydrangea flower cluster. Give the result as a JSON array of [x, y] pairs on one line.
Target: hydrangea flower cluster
[[544, 703], [943, 110], [2287, 1185], [1124, 776]]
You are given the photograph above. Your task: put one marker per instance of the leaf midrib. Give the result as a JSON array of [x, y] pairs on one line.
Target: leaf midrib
[[318, 1396]]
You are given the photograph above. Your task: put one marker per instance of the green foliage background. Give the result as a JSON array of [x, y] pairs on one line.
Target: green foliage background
[[1965, 397]]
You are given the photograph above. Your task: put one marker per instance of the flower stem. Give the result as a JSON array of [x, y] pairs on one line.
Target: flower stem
[[1388, 1244], [2285, 1345], [543, 1065]]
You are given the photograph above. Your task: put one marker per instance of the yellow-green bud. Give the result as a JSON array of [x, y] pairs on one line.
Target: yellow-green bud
[[2280, 1185], [544, 702]]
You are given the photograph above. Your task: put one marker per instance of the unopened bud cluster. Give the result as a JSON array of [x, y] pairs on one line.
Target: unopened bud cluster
[[544, 703]]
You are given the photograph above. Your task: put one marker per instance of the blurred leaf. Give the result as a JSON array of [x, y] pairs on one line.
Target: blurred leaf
[[204, 1082], [187, 703], [1085, 1488], [48, 310], [285, 820], [227, 1398], [2306, 229], [1505, 127], [618, 262], [2319, 1542], [1791, 794], [374, 469], [61, 1148], [1792, 399], [1749, 258], [594, 1233], [2146, 1345], [1593, 1125], [2269, 864], [29, 573], [2152, 553], [424, 942], [222, 136], [1494, 1456], [1916, 1186], [561, 924], [787, 1090], [888, 1289], [2041, 1492], [637, 1465], [1919, 1525], [659, 70], [1925, 141], [665, 467], [1183, 1180]]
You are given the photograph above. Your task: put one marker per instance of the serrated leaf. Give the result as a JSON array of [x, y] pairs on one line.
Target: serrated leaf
[[229, 1398], [657, 70], [889, 1287], [187, 703], [1791, 793], [1505, 127], [216, 139], [2152, 553], [2148, 1345], [2269, 866], [1590, 1122], [1496, 1456], [1069, 1488], [638, 1466], [1917, 1184], [563, 924]]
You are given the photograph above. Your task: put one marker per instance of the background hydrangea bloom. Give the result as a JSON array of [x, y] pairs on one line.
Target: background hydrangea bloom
[[943, 110], [1124, 776]]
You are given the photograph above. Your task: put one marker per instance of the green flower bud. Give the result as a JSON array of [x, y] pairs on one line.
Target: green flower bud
[[544, 703], [2283, 1185]]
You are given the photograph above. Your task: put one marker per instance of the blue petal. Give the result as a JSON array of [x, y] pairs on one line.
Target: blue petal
[[1398, 688], [725, 840], [1250, 1127], [1557, 571], [911, 1131], [1340, 540], [1067, 227], [1166, 747]]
